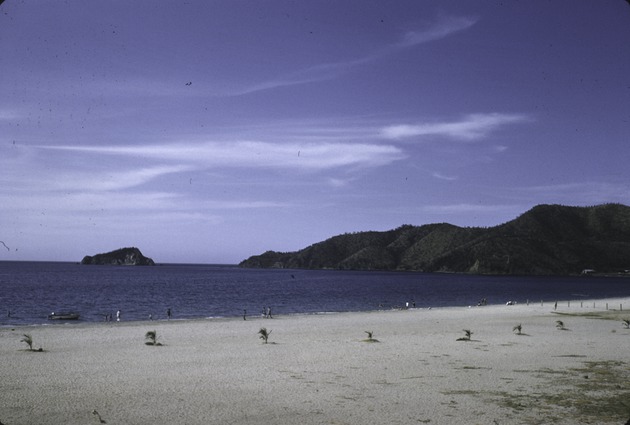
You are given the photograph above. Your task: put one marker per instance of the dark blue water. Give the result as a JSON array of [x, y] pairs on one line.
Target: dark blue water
[[30, 291]]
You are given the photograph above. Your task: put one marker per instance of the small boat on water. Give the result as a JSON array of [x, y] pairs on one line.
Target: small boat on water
[[63, 316]]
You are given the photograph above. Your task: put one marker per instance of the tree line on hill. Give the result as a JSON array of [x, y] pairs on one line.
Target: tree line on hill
[[546, 240]]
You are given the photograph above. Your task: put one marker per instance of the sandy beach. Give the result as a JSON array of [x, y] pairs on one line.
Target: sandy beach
[[319, 369]]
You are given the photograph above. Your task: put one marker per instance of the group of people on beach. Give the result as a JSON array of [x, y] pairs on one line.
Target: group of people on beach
[[109, 317], [407, 305], [266, 313]]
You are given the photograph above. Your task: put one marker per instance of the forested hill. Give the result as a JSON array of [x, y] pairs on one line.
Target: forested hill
[[548, 239]]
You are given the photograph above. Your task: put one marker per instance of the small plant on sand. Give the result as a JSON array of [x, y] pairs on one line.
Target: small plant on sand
[[101, 420], [467, 335], [560, 325], [626, 323], [518, 328], [151, 337], [370, 337], [28, 339], [264, 334]]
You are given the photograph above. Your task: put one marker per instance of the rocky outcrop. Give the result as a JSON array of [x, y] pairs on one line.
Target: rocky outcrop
[[120, 257]]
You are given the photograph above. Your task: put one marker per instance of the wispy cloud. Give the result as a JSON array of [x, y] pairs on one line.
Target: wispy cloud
[[441, 28], [117, 180], [337, 182], [444, 177], [444, 27], [83, 201], [8, 114], [48, 202], [240, 205], [254, 154], [322, 72], [133, 86], [471, 127]]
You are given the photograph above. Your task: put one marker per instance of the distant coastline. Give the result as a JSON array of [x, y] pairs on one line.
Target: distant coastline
[[548, 240]]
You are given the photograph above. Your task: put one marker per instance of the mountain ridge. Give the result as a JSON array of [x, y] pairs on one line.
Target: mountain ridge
[[548, 239]]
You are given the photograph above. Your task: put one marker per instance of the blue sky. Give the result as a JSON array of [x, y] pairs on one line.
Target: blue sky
[[209, 131]]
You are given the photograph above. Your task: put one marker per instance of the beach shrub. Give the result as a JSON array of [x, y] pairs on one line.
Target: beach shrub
[[626, 323], [466, 337], [370, 337], [517, 329], [151, 336], [264, 334], [28, 339], [101, 420], [560, 325]]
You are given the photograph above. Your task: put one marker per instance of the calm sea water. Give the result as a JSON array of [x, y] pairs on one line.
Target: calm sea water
[[30, 291]]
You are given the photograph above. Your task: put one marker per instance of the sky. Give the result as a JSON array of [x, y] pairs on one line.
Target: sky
[[209, 131]]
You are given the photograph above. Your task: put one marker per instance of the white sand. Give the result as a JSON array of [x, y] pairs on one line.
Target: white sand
[[317, 369]]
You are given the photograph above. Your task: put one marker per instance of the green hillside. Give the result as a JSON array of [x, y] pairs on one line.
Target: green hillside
[[548, 239]]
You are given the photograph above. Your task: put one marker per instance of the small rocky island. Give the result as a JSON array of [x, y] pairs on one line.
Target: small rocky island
[[120, 257]]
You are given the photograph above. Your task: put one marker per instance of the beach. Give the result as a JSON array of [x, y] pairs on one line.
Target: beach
[[323, 369]]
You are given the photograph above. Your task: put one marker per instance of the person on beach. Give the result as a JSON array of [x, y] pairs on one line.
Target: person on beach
[[269, 313], [118, 316], [244, 314], [168, 313]]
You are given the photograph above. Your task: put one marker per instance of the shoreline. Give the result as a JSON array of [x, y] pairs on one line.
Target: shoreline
[[613, 304]]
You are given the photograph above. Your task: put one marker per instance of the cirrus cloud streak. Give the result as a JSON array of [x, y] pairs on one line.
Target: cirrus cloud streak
[[243, 154], [440, 28], [471, 127]]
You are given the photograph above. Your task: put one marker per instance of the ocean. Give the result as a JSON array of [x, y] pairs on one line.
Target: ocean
[[30, 291]]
